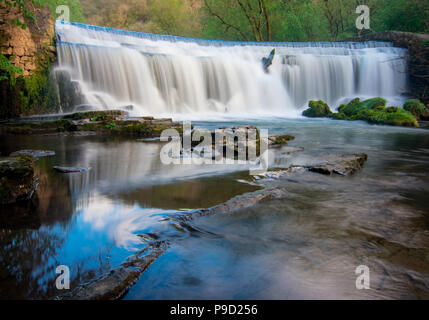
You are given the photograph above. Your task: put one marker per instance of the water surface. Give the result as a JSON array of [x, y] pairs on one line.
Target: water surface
[[305, 246]]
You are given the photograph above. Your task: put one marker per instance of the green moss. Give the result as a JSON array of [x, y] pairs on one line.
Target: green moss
[[339, 116], [374, 111], [417, 108], [105, 115], [394, 116], [355, 106], [317, 109], [110, 126], [65, 125]]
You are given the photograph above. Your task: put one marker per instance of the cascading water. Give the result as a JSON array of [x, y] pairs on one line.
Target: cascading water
[[165, 75]]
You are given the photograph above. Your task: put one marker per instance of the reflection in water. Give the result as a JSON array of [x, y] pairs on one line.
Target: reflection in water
[[92, 221], [305, 246]]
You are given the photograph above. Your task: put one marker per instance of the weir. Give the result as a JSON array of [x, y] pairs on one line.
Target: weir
[[167, 75]]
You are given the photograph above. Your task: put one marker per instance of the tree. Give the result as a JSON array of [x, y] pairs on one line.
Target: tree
[[254, 16]]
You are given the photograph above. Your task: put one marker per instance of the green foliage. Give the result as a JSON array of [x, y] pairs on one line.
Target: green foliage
[[417, 108], [26, 12], [176, 17], [110, 125], [76, 13], [314, 20], [8, 70], [170, 17], [403, 15], [317, 109]]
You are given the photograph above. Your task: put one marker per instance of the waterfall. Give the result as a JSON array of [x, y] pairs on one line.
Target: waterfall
[[167, 75]]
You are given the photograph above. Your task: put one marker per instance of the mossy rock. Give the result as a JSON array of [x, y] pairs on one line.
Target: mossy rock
[[105, 115], [339, 116], [355, 106], [317, 109], [108, 122], [417, 108], [375, 111], [393, 116], [281, 140], [39, 127]]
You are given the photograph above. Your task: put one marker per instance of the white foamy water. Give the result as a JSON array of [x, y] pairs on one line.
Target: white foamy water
[[166, 75]]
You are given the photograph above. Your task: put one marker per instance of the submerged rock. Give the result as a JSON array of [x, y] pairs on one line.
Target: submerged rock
[[240, 202], [70, 169], [280, 140], [114, 284], [17, 180]]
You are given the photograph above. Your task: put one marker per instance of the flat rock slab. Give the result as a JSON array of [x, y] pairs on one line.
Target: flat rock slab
[[70, 169], [344, 165], [114, 284], [33, 153], [149, 139]]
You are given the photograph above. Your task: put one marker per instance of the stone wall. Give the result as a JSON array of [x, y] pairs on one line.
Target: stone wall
[[25, 46], [33, 50]]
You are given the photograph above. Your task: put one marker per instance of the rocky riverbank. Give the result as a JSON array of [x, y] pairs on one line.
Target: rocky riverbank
[[112, 122]]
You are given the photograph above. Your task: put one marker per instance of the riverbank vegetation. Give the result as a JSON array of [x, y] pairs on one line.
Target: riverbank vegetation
[[257, 20]]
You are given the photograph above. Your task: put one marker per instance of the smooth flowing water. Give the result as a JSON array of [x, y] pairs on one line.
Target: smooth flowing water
[[166, 75], [307, 245]]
